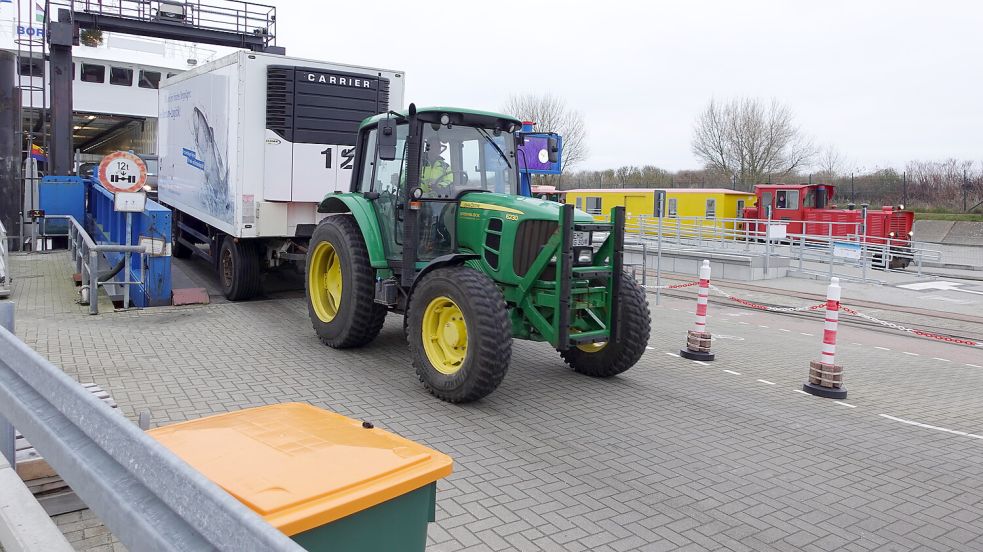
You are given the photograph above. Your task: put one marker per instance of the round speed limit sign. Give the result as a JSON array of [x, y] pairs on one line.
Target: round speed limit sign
[[122, 171]]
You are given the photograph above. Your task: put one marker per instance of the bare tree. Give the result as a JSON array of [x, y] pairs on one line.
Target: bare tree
[[750, 140], [551, 114], [829, 162]]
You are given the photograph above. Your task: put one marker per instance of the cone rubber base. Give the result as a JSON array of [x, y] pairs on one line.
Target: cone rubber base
[[827, 392], [695, 355]]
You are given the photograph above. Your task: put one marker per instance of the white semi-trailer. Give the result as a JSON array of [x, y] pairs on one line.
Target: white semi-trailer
[[249, 145]]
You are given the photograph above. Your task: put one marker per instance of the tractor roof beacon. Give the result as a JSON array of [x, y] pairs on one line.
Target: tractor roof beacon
[[433, 228]]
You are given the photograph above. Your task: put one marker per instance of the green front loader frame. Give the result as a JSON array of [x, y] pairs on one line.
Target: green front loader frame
[[579, 305]]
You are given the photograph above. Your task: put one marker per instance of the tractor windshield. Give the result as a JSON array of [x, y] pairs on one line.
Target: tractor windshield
[[457, 159]]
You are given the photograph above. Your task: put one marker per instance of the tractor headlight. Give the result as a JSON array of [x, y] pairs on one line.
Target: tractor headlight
[[585, 256], [581, 239]]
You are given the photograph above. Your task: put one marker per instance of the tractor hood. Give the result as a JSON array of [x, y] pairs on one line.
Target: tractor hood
[[520, 206]]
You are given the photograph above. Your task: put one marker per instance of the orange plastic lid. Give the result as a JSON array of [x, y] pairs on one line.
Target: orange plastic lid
[[299, 466]]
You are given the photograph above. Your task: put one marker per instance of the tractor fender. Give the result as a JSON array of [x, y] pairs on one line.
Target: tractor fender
[[365, 216], [442, 261]]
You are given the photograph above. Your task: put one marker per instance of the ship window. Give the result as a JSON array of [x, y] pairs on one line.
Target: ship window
[[594, 205], [93, 73], [672, 207], [121, 76], [30, 67], [149, 79], [711, 208]]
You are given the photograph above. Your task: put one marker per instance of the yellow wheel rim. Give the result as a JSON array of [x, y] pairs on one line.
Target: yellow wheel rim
[[324, 281], [445, 335], [592, 347]]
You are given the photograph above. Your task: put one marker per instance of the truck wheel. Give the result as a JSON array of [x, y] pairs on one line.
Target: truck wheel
[[603, 360], [238, 269], [459, 334], [341, 285]]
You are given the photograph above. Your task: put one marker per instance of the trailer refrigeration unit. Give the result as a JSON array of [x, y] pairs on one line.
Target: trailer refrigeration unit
[[249, 145]]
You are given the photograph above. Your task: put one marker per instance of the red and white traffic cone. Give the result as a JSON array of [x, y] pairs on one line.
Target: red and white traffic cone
[[825, 376], [698, 339]]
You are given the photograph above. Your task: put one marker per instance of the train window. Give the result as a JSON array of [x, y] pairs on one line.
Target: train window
[[672, 207], [765, 200], [711, 208], [121, 76], [594, 205], [93, 73], [149, 79], [787, 199], [580, 203], [740, 208]]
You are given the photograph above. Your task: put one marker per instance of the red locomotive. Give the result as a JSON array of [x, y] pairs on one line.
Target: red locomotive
[[809, 210]]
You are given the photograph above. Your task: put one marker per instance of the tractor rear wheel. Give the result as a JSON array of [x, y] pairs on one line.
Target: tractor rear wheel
[[459, 334], [341, 285], [603, 360]]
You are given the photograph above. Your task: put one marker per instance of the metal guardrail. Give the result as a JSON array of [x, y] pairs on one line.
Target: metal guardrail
[[825, 247], [4, 264], [85, 254], [148, 497]]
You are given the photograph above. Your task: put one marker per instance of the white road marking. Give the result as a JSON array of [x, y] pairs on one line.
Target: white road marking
[[766, 382], [800, 391], [973, 365], [732, 372], [912, 354], [783, 330], [941, 359], [701, 363], [673, 354], [926, 426], [804, 333], [650, 348], [742, 322], [858, 344], [675, 309], [882, 348], [845, 404], [760, 326]]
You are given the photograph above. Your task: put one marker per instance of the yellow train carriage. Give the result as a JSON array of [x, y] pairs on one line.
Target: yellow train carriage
[[685, 207]]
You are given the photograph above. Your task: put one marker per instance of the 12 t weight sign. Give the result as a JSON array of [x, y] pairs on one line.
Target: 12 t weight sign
[[122, 171], [345, 159]]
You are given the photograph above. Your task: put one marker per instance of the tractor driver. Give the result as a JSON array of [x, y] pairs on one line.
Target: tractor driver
[[436, 173]]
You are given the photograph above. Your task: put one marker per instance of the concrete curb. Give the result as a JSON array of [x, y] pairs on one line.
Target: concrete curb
[[24, 525]]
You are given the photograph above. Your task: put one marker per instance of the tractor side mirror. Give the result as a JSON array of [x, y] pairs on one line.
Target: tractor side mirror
[[553, 149], [386, 139]]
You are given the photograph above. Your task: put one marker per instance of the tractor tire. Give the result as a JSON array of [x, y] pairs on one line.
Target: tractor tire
[[459, 334], [603, 360], [340, 285], [238, 269]]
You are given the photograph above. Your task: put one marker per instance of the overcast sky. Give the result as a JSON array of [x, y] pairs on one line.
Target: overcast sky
[[883, 81]]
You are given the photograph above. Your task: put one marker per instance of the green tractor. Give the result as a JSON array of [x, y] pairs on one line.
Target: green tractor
[[433, 229]]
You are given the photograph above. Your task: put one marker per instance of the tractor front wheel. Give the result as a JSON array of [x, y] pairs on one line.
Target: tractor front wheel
[[603, 360], [459, 334], [341, 285]]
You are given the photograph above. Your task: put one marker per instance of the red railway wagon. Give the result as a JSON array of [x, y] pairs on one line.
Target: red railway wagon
[[808, 209]]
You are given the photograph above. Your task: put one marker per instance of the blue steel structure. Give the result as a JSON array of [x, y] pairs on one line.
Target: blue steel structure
[[528, 159], [106, 225]]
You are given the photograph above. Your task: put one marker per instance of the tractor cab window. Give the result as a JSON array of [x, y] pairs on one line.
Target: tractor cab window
[[787, 199], [461, 158], [386, 179]]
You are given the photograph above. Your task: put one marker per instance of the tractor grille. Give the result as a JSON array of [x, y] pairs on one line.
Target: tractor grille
[[530, 238]]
